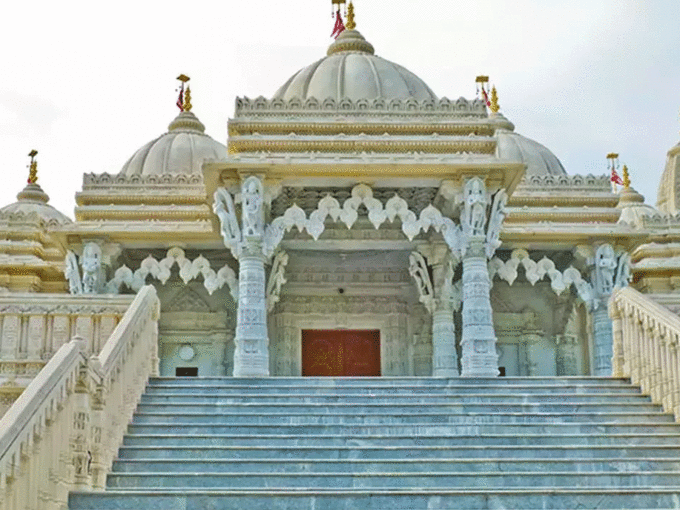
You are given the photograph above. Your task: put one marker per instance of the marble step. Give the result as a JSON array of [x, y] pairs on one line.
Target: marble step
[[303, 465], [524, 498], [415, 429], [391, 382], [421, 452], [424, 417], [286, 399], [381, 407], [196, 442], [392, 480]]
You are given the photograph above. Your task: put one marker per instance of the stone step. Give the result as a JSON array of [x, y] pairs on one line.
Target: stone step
[[272, 440], [525, 498], [393, 418], [382, 408], [415, 429], [391, 382], [392, 480], [525, 389], [287, 399], [303, 465], [421, 452]]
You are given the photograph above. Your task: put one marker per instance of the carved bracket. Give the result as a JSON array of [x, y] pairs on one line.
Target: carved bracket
[[276, 279]]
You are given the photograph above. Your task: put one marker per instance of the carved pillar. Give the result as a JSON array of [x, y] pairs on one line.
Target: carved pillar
[[479, 243], [251, 356], [602, 341], [566, 359], [479, 338], [444, 356]]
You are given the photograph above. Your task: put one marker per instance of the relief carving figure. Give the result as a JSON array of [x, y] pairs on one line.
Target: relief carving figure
[[475, 207], [419, 272], [605, 269], [226, 212], [91, 262], [72, 273], [252, 200]]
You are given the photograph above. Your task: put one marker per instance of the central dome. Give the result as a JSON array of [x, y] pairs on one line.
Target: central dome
[[351, 70]]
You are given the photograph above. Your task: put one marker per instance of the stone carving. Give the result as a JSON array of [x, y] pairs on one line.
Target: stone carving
[[226, 212], [348, 213], [473, 217], [188, 270], [419, 272], [605, 269], [498, 214], [92, 279], [261, 105], [252, 202], [276, 279]]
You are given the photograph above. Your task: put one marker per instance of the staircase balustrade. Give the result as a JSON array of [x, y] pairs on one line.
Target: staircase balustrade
[[646, 340], [64, 430]]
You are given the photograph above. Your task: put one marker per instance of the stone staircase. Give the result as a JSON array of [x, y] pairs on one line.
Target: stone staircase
[[393, 443]]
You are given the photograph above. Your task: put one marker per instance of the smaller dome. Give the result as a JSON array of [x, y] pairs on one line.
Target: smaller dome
[[32, 199], [538, 158], [352, 70], [181, 150], [633, 208]]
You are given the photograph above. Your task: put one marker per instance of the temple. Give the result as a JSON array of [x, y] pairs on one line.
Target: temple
[[354, 224]]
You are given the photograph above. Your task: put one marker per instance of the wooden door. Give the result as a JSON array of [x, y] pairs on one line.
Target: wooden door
[[337, 353]]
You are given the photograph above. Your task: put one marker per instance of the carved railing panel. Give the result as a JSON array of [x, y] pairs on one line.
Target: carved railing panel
[[89, 401], [646, 340]]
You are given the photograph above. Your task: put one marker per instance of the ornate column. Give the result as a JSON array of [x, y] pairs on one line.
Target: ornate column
[[251, 357], [439, 301], [477, 244], [251, 354]]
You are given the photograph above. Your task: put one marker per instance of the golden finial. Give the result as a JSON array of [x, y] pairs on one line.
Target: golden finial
[[33, 168], [187, 100], [180, 100], [626, 177], [612, 155], [494, 100], [351, 25], [482, 79]]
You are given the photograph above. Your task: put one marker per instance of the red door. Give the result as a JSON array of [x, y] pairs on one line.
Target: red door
[[336, 353]]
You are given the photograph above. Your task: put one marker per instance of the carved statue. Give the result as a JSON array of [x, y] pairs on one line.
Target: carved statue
[[475, 207], [498, 214], [91, 262], [252, 201], [623, 274], [605, 270], [72, 273], [419, 272], [276, 279], [226, 212]]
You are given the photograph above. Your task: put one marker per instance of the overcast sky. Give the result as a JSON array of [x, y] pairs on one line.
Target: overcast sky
[[88, 83]]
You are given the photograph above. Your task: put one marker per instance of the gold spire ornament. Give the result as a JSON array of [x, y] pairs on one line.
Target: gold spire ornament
[[187, 100], [33, 168], [351, 25], [626, 178], [494, 100]]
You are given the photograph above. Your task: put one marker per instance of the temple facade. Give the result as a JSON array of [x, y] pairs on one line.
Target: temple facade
[[355, 223]]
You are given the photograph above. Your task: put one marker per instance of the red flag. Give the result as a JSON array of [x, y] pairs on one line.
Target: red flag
[[616, 178], [180, 99], [339, 27], [486, 97]]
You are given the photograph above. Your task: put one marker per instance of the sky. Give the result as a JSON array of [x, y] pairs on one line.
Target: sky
[[88, 83]]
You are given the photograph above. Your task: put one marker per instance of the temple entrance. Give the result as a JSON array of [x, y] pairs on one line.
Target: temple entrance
[[338, 353]]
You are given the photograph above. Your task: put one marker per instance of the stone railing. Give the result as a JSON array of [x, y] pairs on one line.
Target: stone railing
[[34, 326], [646, 341], [63, 432]]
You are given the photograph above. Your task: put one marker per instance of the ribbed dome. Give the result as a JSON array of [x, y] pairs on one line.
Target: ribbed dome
[[179, 151], [633, 208], [32, 199], [537, 157], [351, 70]]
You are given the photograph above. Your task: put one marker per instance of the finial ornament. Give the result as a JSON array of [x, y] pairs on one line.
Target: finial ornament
[[626, 177], [187, 100], [351, 25], [180, 100], [33, 168], [494, 100]]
